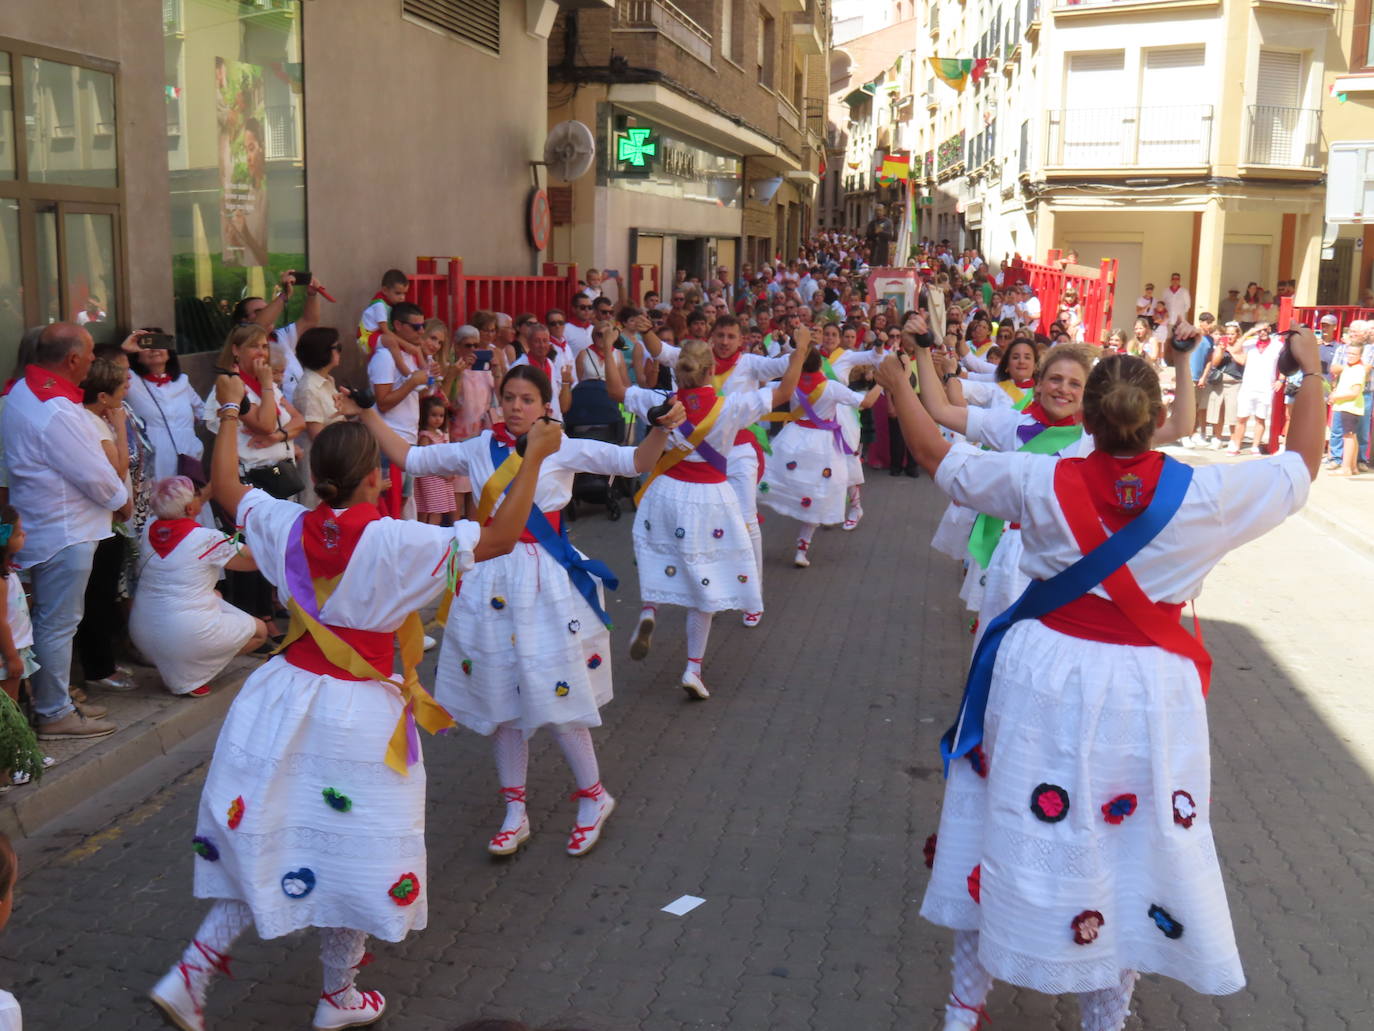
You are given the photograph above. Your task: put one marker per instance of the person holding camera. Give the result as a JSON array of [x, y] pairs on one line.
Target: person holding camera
[[1259, 349], [1075, 848]]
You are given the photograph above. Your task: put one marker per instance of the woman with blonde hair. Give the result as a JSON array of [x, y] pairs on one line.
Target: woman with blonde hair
[[179, 621], [1075, 848], [692, 546]]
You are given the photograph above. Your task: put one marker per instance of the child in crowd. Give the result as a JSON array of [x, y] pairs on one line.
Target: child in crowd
[[434, 495], [1347, 408], [19, 751], [375, 321]]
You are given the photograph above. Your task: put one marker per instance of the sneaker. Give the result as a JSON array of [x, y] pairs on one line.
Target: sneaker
[[348, 1008], [692, 684], [74, 725], [172, 995], [19, 778], [644, 635], [429, 642], [1218, 443], [1231, 449], [201, 692], [752, 619], [118, 681]]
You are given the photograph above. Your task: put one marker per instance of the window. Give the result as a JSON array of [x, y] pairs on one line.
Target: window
[[798, 86], [1362, 45], [61, 241], [767, 47], [235, 161], [473, 21], [729, 34]]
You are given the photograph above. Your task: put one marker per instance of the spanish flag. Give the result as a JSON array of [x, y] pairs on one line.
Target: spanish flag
[[896, 166], [952, 71]]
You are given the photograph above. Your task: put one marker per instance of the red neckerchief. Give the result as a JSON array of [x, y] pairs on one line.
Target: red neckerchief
[[1036, 412], [1023, 384], [809, 382], [165, 534], [1120, 488], [330, 539], [562, 345], [502, 434], [697, 401], [158, 379], [579, 323], [544, 365], [725, 365], [1262, 343], [9, 385], [249, 380], [48, 385]]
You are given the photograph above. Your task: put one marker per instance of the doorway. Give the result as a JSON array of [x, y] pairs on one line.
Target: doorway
[[690, 254]]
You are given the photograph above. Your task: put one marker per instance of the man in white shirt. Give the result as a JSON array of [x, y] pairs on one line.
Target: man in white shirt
[[1145, 303], [1030, 306], [65, 490], [557, 365], [1177, 300], [578, 332], [398, 386]]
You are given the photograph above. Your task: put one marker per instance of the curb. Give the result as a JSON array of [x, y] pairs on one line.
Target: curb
[[25, 810]]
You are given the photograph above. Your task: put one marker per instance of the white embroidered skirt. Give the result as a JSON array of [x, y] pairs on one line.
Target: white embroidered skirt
[[1087, 848], [522, 646], [692, 548], [300, 816], [807, 477]]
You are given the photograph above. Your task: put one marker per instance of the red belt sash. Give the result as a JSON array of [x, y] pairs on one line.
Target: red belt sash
[[555, 519], [695, 472], [375, 646], [1134, 615]]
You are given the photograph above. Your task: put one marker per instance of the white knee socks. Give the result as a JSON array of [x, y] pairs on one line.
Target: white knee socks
[[341, 953], [972, 983], [208, 953], [698, 632], [1108, 1008], [581, 755], [512, 763]]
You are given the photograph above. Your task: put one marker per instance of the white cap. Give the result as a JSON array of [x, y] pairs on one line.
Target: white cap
[[1330, 318]]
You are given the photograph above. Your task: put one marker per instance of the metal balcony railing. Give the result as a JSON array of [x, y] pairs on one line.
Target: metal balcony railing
[[281, 132], [669, 19], [1283, 136], [1130, 137]]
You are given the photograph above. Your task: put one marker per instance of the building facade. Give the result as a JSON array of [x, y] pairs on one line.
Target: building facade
[[160, 159], [708, 120]]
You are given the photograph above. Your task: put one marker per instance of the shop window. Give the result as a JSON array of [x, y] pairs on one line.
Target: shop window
[[61, 237], [235, 150], [474, 21]]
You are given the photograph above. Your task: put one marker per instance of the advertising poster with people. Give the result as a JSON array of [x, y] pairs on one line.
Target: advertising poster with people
[[241, 109]]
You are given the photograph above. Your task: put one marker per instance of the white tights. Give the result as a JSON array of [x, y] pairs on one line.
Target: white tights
[[341, 952], [698, 633], [756, 539], [512, 752], [1102, 1010]]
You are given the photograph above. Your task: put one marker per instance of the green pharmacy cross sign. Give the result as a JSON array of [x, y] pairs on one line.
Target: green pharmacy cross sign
[[635, 146]]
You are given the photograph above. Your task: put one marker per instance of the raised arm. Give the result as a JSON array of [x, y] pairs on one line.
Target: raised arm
[[393, 446], [651, 447], [1307, 415], [782, 393], [922, 436], [499, 536], [616, 384], [224, 462], [933, 396], [1183, 413]]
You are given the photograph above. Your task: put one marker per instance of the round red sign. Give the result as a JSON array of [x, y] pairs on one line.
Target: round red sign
[[538, 220]]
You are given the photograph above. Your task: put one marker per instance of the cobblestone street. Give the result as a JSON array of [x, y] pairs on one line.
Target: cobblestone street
[[795, 802]]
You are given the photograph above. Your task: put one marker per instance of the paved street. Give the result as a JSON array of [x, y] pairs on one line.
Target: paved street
[[796, 802]]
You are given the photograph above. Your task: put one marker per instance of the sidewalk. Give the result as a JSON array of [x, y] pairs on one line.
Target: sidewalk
[[151, 722]]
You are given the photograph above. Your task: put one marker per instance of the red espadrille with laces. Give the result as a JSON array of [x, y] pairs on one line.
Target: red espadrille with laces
[[507, 841], [180, 995], [582, 839]]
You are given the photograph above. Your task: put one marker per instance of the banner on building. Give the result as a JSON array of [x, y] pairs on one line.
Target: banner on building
[[241, 109], [896, 166], [955, 72]]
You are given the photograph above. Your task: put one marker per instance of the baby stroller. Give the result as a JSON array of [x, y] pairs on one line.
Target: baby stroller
[[594, 416]]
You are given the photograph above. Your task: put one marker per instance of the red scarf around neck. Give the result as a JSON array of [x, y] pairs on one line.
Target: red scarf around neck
[[331, 539], [1120, 488], [502, 434], [1038, 413], [697, 401], [809, 381], [158, 379], [48, 385], [165, 534], [724, 366]]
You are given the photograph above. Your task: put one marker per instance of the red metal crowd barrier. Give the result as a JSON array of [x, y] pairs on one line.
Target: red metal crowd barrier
[[1291, 315], [453, 295], [643, 278], [1096, 291]]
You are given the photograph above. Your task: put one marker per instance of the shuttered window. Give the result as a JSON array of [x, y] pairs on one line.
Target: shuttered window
[[1092, 130], [474, 21], [1174, 127], [1278, 127]]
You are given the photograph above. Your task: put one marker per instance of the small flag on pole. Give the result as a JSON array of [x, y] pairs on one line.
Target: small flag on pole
[[896, 166], [952, 71]]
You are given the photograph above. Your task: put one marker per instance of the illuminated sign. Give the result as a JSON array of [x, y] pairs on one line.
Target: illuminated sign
[[635, 146]]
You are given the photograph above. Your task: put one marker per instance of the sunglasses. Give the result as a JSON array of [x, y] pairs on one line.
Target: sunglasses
[[555, 323], [417, 326], [582, 307]]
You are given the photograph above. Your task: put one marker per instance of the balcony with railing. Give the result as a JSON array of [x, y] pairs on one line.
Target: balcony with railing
[[1285, 136], [1130, 138], [667, 18]]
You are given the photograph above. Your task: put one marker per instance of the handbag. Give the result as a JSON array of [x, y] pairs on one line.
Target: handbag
[[282, 479], [188, 466]]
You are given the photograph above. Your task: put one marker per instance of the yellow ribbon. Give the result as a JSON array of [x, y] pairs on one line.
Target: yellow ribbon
[[1013, 391], [419, 704], [671, 458], [797, 413]]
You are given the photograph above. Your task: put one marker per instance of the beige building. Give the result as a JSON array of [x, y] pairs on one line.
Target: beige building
[[708, 123], [160, 159], [1347, 270]]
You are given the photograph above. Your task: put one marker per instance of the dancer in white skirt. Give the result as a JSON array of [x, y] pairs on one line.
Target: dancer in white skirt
[[178, 620], [691, 545], [808, 481], [526, 642], [1075, 846], [313, 811], [837, 362], [735, 370]]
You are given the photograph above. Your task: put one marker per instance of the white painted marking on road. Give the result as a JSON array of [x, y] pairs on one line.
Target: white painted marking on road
[[682, 906]]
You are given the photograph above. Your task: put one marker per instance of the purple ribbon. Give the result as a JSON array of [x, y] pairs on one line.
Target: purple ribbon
[[712, 457], [1026, 432], [298, 579], [824, 424]]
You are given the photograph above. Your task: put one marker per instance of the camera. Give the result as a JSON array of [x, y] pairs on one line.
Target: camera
[[1287, 364], [301, 278], [153, 340], [1185, 337], [363, 396]]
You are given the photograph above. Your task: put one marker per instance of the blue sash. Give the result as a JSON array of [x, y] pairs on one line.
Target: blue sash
[[580, 568], [1044, 596]]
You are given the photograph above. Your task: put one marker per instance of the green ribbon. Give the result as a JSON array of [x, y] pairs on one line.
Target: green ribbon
[[987, 531]]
